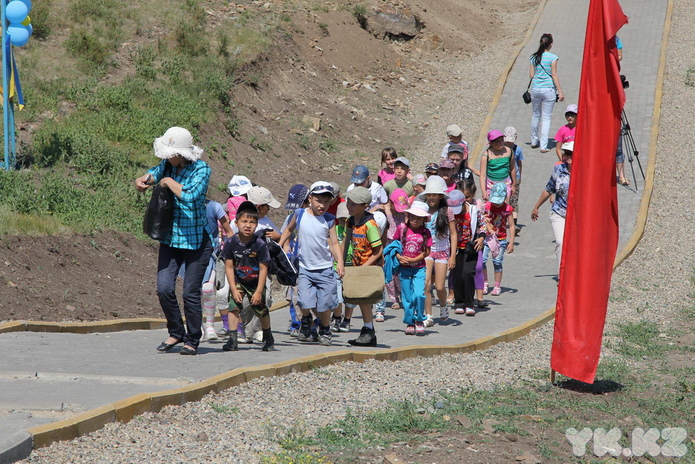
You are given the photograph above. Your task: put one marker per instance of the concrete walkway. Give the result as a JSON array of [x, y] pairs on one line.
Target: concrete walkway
[[46, 377]]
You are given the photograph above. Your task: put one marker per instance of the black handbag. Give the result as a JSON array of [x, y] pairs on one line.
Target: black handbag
[[527, 95], [159, 216]]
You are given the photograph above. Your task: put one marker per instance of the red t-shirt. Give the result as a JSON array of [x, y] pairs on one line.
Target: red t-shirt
[[333, 209], [496, 216]]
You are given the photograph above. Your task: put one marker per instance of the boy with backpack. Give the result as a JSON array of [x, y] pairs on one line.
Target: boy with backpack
[[318, 248]]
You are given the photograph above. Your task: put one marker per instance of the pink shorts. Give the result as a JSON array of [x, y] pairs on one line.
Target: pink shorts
[[439, 256]]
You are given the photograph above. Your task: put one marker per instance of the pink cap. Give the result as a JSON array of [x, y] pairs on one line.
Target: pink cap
[[494, 134], [400, 200]]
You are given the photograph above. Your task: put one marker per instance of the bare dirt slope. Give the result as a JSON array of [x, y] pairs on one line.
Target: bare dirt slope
[[330, 93]]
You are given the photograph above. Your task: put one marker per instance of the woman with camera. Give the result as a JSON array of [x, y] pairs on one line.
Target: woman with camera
[[545, 91]]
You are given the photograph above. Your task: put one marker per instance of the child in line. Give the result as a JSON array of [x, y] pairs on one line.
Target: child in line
[[470, 235], [510, 141], [246, 264], [499, 222], [364, 249], [455, 134], [360, 178], [416, 242], [401, 169], [446, 172], [297, 198], [443, 253], [566, 133], [238, 188], [340, 322], [388, 157], [419, 183], [395, 215], [317, 286], [431, 170]]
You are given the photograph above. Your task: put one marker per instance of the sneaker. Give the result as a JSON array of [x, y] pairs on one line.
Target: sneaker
[[410, 330], [496, 291], [325, 338], [460, 310], [294, 333], [419, 328], [258, 336], [367, 338], [268, 344], [232, 344], [335, 324], [223, 333], [242, 338], [470, 312], [429, 322], [444, 313], [485, 288], [305, 328], [482, 304], [379, 316], [345, 326], [210, 334]]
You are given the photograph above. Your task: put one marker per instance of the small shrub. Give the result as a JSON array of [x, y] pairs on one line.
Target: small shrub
[[41, 21], [144, 59], [88, 47]]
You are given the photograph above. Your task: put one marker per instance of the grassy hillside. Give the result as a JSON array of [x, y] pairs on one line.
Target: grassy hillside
[[102, 79]]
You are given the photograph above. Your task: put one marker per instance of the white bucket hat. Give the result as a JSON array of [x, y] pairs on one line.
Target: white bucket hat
[[418, 208], [176, 141], [239, 185], [435, 184]]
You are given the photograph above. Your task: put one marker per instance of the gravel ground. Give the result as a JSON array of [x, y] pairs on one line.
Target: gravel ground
[[237, 425]]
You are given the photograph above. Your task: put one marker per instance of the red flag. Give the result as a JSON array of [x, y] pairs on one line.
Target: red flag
[[591, 226]]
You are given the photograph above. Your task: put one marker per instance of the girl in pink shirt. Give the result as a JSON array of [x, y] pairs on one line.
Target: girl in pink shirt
[[416, 241], [388, 157]]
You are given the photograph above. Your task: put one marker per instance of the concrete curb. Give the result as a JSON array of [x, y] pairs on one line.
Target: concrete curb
[[125, 410], [15, 447]]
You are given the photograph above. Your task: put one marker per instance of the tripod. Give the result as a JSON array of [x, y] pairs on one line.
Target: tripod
[[628, 142]]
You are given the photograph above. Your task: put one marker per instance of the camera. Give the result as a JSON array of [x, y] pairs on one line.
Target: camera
[[624, 81]]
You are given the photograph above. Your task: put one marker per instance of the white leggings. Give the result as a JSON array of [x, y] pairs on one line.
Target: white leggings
[[558, 223], [214, 299]]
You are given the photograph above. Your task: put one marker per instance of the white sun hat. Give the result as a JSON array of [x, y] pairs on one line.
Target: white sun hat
[[418, 208], [176, 141], [435, 184], [239, 185]]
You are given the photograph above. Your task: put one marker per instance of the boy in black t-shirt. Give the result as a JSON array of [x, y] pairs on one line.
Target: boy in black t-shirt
[[246, 262]]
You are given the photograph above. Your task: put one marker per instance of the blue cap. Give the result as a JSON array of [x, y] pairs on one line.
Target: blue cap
[[498, 193], [296, 197], [359, 174]]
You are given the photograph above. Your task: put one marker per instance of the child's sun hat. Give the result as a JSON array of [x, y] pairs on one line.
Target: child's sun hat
[[296, 197], [239, 185], [400, 200], [455, 201], [498, 193], [434, 185], [262, 196], [418, 208], [494, 135]]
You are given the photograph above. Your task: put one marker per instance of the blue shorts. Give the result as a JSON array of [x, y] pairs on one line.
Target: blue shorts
[[317, 289]]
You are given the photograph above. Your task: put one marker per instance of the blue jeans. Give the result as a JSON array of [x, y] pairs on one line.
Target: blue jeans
[[196, 261], [413, 294], [496, 262], [542, 103]]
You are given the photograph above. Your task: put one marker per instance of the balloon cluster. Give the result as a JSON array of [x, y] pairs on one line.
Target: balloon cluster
[[17, 13]]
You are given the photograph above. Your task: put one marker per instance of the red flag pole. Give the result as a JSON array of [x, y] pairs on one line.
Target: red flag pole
[[591, 224]]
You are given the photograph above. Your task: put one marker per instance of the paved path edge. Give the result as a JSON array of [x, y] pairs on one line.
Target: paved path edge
[[125, 410]]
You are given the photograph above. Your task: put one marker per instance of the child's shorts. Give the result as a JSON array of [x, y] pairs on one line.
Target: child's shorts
[[246, 290], [317, 289], [439, 256]]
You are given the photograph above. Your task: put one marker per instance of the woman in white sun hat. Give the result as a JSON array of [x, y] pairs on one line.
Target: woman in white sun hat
[[187, 176]]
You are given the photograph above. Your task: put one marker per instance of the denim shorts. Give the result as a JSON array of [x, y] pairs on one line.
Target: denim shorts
[[317, 289]]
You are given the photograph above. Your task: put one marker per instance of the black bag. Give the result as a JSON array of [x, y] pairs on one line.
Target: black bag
[[159, 216], [527, 95], [280, 265]]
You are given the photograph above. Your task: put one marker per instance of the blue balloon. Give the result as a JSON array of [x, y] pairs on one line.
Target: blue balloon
[[16, 11], [30, 28], [27, 3], [19, 35]]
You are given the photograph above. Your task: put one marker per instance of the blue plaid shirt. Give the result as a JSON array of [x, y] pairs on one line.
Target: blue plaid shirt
[[190, 218], [559, 184]]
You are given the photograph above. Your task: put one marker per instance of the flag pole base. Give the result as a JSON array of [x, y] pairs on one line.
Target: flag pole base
[[552, 376]]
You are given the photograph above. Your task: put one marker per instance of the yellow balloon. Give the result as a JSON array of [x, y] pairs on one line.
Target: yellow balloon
[[26, 21]]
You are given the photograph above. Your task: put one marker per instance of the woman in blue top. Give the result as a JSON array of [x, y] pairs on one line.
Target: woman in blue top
[[545, 91], [186, 175]]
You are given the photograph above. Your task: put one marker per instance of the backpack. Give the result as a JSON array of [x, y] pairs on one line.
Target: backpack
[[280, 265]]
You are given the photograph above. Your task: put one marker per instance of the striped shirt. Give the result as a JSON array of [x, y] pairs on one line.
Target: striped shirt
[[542, 77], [190, 218]]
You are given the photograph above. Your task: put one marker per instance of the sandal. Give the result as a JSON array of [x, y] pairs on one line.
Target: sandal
[[624, 181], [395, 305]]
